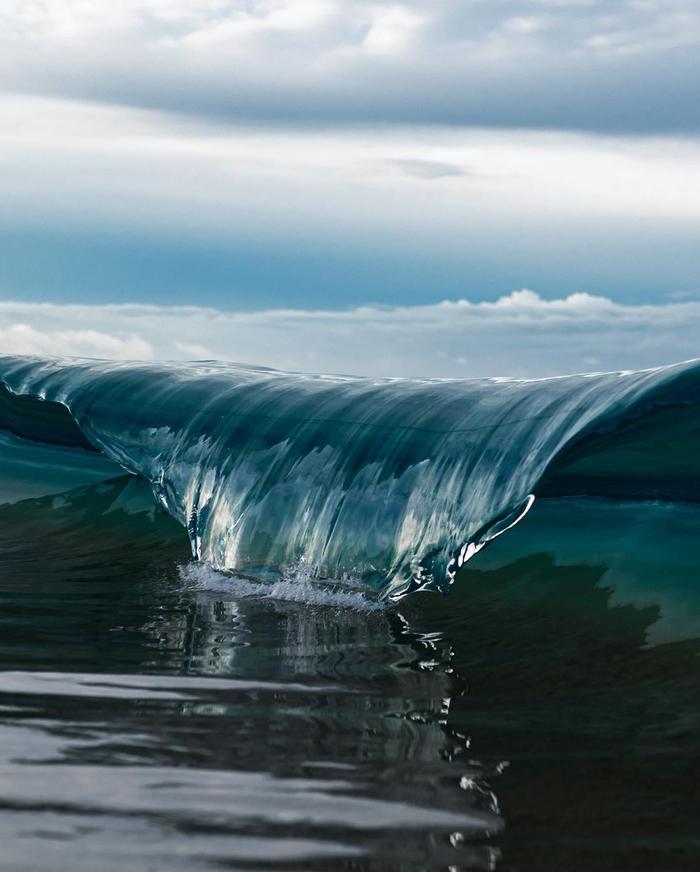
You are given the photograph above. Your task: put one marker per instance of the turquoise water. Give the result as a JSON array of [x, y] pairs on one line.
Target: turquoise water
[[291, 699]]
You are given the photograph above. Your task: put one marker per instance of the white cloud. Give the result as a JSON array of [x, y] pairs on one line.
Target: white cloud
[[240, 27], [87, 163], [245, 143], [429, 169], [392, 30], [533, 62], [21, 338], [192, 351], [520, 334]]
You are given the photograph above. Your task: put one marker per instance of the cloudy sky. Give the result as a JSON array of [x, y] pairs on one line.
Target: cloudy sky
[[352, 186]]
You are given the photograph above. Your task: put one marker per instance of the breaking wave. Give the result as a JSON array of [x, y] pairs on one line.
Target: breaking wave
[[396, 482]]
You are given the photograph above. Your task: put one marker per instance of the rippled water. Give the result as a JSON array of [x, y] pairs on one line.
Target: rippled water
[[277, 704], [155, 714]]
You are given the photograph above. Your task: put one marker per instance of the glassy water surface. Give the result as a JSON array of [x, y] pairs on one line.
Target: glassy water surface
[[155, 714]]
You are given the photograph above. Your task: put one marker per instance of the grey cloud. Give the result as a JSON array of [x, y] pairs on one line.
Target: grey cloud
[[429, 169], [519, 335], [601, 65]]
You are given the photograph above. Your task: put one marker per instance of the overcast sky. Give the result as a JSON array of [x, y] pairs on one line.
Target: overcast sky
[[519, 335], [253, 158]]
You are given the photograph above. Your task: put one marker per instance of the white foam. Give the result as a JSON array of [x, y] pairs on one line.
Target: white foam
[[294, 586]]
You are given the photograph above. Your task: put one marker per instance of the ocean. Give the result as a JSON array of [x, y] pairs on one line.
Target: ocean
[[260, 620]]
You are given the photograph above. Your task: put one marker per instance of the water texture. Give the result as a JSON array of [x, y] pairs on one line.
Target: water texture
[[395, 482], [294, 696]]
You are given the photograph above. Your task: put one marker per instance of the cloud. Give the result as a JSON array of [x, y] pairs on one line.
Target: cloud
[[520, 335], [429, 169], [21, 338], [392, 29], [61, 159], [603, 65], [112, 202]]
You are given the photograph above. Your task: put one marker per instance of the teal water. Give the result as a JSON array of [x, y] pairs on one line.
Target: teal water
[[276, 703]]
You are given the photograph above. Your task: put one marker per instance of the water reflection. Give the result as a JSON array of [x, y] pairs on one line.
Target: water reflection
[[152, 722], [585, 668], [535, 719]]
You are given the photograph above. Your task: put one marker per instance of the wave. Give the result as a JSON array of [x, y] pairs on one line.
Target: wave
[[397, 482]]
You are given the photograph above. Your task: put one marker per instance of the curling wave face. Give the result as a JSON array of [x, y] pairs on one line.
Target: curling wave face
[[397, 482]]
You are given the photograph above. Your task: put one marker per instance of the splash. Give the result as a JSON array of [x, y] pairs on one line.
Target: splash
[[295, 585]]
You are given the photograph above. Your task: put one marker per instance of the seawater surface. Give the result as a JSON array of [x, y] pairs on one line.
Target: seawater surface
[[298, 697]]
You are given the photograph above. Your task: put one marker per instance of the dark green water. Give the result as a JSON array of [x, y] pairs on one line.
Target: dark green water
[[544, 716], [158, 713]]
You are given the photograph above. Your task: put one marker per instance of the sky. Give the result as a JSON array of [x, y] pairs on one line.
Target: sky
[[453, 188]]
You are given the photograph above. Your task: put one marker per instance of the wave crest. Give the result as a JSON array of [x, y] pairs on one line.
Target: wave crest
[[397, 482]]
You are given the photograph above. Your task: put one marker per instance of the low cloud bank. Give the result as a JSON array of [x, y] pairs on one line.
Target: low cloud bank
[[518, 335]]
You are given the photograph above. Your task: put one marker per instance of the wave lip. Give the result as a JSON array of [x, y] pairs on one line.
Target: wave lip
[[398, 482]]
